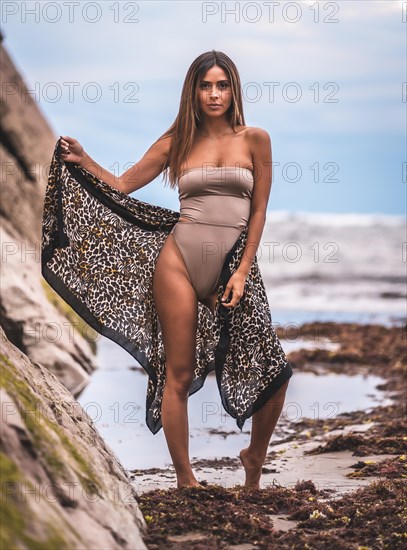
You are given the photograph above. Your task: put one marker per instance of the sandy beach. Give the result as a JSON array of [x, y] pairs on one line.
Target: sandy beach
[[337, 480]]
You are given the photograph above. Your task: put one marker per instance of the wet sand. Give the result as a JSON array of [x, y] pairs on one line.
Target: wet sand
[[337, 481]]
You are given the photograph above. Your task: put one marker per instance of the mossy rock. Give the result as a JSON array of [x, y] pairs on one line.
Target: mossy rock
[[17, 516], [48, 437]]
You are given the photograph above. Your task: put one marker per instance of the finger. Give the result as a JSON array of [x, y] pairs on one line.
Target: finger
[[63, 144], [235, 300], [65, 147], [230, 304], [227, 292]]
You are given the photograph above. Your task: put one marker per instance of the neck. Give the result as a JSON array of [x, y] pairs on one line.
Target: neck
[[213, 127]]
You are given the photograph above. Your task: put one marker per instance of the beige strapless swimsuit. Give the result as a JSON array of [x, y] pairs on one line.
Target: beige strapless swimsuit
[[215, 202]]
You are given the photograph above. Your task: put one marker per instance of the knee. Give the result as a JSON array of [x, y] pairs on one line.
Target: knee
[[179, 380]]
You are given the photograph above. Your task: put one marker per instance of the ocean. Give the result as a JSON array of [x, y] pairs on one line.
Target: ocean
[[335, 267]]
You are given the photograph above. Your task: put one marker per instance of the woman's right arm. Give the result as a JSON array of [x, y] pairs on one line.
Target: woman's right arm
[[137, 176]]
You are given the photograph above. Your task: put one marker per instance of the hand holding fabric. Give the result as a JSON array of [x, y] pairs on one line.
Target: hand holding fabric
[[235, 286], [71, 150]]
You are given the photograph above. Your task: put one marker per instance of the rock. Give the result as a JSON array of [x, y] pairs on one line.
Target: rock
[[27, 143], [62, 485], [34, 325], [39, 327]]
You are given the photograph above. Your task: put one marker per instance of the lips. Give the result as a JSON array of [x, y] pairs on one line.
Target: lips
[[214, 104]]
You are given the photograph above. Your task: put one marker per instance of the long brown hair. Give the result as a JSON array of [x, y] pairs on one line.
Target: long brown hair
[[184, 127]]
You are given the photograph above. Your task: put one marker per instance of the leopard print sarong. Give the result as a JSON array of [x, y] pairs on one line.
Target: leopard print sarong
[[98, 252]]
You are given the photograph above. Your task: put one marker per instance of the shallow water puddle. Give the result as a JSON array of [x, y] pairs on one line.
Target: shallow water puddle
[[115, 400]]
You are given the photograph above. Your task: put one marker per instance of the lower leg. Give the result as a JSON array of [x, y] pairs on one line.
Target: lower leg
[[174, 415], [263, 424], [177, 309]]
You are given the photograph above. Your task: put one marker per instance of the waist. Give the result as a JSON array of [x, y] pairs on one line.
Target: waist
[[212, 210]]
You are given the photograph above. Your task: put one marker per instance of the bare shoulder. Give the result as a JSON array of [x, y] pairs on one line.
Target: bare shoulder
[[259, 144], [163, 144], [257, 135], [158, 152]]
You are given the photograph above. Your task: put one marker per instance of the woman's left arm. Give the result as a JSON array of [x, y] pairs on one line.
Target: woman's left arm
[[260, 146]]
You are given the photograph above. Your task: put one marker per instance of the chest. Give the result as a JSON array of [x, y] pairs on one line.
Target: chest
[[231, 151]]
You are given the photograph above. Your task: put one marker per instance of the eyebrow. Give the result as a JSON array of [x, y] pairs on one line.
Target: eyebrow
[[208, 82]]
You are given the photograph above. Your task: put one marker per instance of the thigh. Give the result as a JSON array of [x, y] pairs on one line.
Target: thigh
[[177, 307]]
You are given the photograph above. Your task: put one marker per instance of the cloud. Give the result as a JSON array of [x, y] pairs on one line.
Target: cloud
[[363, 54]]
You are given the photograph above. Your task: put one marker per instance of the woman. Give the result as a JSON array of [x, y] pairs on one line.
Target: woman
[[225, 170]]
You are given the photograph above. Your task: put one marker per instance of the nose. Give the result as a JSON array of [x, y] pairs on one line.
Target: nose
[[214, 94], [214, 91]]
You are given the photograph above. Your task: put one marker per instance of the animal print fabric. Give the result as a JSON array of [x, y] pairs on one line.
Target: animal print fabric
[[98, 252]]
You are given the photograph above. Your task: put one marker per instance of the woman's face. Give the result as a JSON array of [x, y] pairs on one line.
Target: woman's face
[[214, 89]]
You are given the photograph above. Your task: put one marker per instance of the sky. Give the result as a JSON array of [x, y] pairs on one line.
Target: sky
[[325, 79]]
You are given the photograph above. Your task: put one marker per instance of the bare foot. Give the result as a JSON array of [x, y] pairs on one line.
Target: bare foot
[[192, 483], [252, 468]]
